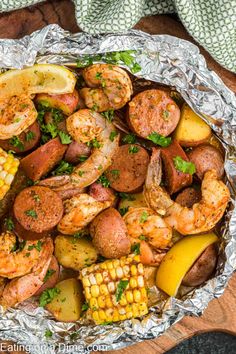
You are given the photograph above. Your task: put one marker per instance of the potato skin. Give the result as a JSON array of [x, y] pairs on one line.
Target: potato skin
[[109, 234], [202, 268], [75, 151], [74, 253], [188, 197], [100, 193], [53, 279], [66, 306], [206, 157], [136, 200]]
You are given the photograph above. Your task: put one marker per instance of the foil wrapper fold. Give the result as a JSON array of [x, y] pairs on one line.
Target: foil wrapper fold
[[166, 60]]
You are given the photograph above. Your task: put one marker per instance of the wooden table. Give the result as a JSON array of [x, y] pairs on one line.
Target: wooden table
[[221, 313]]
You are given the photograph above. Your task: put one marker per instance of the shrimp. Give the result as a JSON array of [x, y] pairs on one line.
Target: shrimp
[[16, 114], [79, 212], [85, 126], [22, 288], [16, 263], [109, 87], [151, 231], [202, 217]]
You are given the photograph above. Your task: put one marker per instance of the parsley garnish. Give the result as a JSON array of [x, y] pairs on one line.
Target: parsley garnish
[[115, 173], [48, 333], [16, 142], [83, 158], [165, 114], [29, 135], [126, 196], [48, 295], [143, 217], [109, 115], [142, 238], [122, 285], [133, 149], [49, 273], [113, 134], [21, 245], [129, 139], [9, 224], [123, 211], [184, 166], [104, 181], [85, 306], [159, 139], [98, 76], [135, 248], [64, 168], [65, 138], [94, 143], [31, 213], [106, 323], [38, 246], [80, 173]]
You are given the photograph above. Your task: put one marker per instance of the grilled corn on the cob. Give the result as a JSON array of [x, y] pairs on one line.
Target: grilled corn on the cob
[[115, 289], [8, 168]]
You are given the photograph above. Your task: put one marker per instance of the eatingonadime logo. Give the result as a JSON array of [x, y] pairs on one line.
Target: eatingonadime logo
[[52, 348]]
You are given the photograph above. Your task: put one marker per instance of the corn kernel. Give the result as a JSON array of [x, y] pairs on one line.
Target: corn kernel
[[103, 265], [3, 174], [2, 159], [96, 316], [101, 302], [87, 292], [128, 310], [112, 274], [95, 290], [123, 300], [102, 315], [135, 310], [5, 188], [116, 263], [137, 258], [133, 269], [143, 309], [140, 281], [133, 282], [143, 294], [1, 182], [99, 278], [115, 316], [140, 268], [85, 281], [109, 303], [123, 317], [7, 166], [126, 270], [119, 272], [103, 289], [137, 295], [111, 287], [13, 170], [9, 178], [109, 265], [92, 279]]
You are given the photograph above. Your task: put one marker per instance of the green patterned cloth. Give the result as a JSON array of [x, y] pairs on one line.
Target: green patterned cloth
[[211, 22]]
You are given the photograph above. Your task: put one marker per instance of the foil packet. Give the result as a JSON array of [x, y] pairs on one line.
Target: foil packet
[[166, 60]]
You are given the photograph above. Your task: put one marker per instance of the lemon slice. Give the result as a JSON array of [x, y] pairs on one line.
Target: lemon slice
[[40, 78]]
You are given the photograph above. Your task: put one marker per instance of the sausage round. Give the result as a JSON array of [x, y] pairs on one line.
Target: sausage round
[[188, 197], [100, 193], [38, 209], [51, 278], [153, 111], [75, 151], [28, 140], [206, 157], [128, 170]]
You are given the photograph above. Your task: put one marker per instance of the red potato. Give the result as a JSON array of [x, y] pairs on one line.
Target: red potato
[[174, 179], [67, 102], [153, 111], [38, 209], [29, 139], [109, 234], [100, 193], [206, 157], [52, 276], [43, 160], [203, 268], [188, 197], [75, 151], [127, 171]]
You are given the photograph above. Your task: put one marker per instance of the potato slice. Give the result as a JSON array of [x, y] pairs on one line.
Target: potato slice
[[74, 253], [191, 130], [179, 260], [66, 305]]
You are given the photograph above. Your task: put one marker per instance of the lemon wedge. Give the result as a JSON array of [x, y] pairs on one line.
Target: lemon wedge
[[179, 260], [40, 78]]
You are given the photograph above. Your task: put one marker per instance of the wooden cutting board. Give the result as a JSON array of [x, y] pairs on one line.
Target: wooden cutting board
[[221, 313]]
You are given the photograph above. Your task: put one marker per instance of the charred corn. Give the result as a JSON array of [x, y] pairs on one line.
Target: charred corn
[[8, 168], [115, 289]]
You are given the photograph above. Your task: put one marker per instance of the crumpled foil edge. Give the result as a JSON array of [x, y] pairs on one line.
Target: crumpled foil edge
[[167, 60]]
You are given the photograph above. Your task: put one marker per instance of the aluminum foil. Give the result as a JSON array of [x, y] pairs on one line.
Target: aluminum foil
[[167, 60]]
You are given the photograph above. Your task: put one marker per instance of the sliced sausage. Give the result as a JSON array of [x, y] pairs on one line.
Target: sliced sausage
[[76, 151], [27, 140], [38, 209], [153, 111], [27, 234], [206, 157], [100, 193], [51, 278], [41, 161], [188, 197], [174, 179], [128, 170]]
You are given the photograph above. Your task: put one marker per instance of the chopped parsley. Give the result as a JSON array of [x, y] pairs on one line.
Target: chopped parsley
[[142, 238], [143, 217], [104, 181], [48, 295], [184, 166], [49, 273], [165, 114], [106, 323], [122, 285], [36, 197], [65, 138], [98, 76], [29, 135], [113, 134], [48, 333], [129, 139], [80, 172], [32, 213], [115, 173], [9, 223], [38, 246], [126, 196], [159, 139], [109, 115], [85, 306], [94, 143], [133, 149], [135, 248], [16, 142], [83, 158], [123, 211], [64, 168]]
